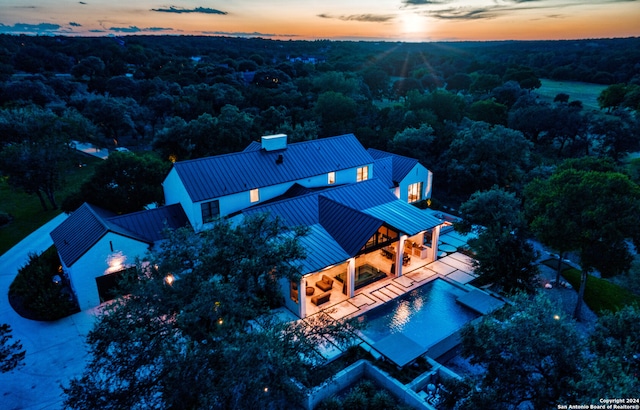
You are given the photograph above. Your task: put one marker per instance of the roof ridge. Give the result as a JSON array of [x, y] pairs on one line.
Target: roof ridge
[[243, 152], [157, 209], [95, 215], [391, 154]]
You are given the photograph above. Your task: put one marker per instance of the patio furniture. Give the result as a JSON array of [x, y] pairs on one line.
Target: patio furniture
[[321, 298], [365, 275], [388, 252], [326, 283]]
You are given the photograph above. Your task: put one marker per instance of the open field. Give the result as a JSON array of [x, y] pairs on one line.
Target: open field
[[586, 92], [26, 209]]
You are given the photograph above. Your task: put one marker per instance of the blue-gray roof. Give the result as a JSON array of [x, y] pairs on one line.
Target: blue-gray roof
[[404, 217], [81, 230], [213, 177], [151, 224], [361, 195], [383, 170], [86, 225], [361, 226], [343, 219], [401, 166], [321, 250]]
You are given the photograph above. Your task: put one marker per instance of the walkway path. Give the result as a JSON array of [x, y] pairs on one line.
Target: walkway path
[[55, 350]]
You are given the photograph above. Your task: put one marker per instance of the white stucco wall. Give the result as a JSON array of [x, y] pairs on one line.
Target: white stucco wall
[[417, 174], [96, 262], [175, 192]]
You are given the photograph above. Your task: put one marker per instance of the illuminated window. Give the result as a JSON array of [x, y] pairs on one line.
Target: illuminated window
[[331, 178], [362, 174], [210, 211], [255, 195], [415, 192]]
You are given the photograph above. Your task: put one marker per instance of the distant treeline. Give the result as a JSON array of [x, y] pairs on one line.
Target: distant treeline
[[468, 110], [601, 61]]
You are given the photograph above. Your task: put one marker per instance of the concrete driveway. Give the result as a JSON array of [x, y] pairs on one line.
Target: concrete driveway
[[56, 351]]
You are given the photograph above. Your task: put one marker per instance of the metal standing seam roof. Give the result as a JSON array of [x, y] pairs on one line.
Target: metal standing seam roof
[[78, 233], [150, 224], [85, 226], [349, 227], [383, 169], [401, 165], [217, 176], [361, 195], [342, 219], [253, 146], [322, 250], [404, 217]]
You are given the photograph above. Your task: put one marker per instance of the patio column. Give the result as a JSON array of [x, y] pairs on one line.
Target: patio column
[[435, 238], [351, 277], [400, 255], [302, 297]]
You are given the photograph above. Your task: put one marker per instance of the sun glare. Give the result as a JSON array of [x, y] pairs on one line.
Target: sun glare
[[412, 23]]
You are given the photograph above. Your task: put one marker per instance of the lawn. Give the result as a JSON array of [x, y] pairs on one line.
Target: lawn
[[586, 92], [26, 209], [600, 294]]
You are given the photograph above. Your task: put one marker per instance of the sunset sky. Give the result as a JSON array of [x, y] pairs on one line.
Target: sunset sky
[[391, 20]]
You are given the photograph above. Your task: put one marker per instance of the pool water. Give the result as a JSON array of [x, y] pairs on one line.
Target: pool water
[[425, 315]]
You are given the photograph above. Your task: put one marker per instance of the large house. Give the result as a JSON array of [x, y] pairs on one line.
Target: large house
[[355, 202]]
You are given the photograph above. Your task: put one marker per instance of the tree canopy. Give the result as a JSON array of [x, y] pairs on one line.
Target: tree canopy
[[11, 353], [587, 207], [533, 356], [193, 328], [502, 254], [124, 182], [530, 352]]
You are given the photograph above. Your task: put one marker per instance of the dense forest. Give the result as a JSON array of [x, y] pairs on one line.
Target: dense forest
[[513, 162], [467, 110]]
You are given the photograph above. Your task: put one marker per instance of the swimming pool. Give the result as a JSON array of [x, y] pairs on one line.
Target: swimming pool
[[425, 315]]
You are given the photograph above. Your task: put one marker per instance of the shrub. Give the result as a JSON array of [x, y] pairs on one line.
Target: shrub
[[364, 395], [330, 403], [382, 401], [33, 293], [5, 218]]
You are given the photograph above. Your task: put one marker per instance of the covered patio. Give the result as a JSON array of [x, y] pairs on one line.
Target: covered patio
[[457, 267], [368, 269]]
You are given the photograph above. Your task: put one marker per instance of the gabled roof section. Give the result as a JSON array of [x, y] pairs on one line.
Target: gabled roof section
[[401, 166], [300, 211], [342, 219], [404, 217], [213, 177], [87, 224], [361, 195], [79, 232], [352, 235], [254, 146], [383, 170], [322, 250], [151, 224]]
